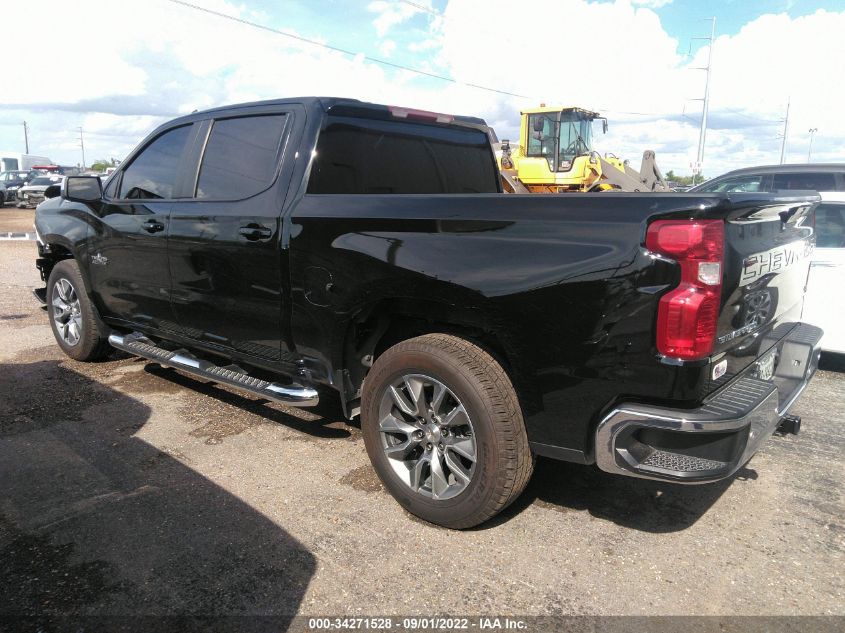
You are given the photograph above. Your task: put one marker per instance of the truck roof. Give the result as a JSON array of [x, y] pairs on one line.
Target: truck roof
[[544, 109], [338, 104]]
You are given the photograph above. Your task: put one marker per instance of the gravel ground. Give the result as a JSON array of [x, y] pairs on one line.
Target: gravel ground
[[13, 219], [128, 489]]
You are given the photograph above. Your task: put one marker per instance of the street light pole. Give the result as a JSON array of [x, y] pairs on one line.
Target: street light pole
[[812, 130], [26, 136]]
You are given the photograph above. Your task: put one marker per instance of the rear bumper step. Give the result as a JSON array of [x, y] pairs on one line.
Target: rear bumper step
[[139, 345], [716, 439]]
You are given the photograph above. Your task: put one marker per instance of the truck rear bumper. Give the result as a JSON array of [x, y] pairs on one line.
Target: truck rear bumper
[[713, 441]]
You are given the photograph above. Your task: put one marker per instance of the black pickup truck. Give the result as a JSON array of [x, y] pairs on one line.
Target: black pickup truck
[[285, 246]]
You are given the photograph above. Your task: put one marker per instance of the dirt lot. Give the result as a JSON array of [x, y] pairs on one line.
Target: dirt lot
[[128, 489]]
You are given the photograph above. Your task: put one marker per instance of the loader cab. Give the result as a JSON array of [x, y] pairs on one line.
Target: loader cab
[[559, 135]]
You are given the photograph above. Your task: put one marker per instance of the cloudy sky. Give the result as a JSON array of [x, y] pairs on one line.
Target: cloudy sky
[[120, 68]]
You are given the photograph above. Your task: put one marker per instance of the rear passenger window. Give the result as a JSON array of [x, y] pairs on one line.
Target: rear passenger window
[[153, 172], [364, 156], [807, 181], [830, 226], [241, 157]]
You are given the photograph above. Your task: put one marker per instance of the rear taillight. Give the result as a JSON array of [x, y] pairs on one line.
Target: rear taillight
[[687, 316]]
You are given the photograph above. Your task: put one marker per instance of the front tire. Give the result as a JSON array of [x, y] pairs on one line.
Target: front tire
[[444, 430], [73, 318]]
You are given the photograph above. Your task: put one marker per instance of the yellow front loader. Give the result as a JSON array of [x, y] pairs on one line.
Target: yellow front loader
[[555, 155]]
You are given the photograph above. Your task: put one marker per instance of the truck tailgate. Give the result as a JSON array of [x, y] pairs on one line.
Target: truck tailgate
[[768, 243]]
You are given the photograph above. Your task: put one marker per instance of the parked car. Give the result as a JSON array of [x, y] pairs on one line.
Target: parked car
[[805, 177], [33, 193], [824, 304], [14, 180], [282, 246]]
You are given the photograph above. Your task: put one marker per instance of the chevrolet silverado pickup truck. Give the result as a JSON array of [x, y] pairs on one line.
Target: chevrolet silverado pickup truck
[[290, 246]]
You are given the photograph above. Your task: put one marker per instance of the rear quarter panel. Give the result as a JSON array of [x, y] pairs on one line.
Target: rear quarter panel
[[561, 283]]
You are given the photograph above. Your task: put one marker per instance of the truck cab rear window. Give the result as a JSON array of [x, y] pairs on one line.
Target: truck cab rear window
[[363, 156]]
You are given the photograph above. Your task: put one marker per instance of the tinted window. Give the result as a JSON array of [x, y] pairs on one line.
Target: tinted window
[[153, 172], [830, 226], [733, 184], [807, 181], [241, 157], [362, 156]]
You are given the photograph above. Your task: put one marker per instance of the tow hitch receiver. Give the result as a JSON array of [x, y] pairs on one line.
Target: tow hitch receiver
[[789, 424]]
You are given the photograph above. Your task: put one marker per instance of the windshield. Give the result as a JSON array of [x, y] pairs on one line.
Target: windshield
[[574, 137], [42, 181]]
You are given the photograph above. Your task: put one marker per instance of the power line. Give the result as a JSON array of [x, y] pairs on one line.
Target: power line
[[337, 49], [754, 118], [421, 8]]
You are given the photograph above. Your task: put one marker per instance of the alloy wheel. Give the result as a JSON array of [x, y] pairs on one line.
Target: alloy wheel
[[427, 436], [67, 314]]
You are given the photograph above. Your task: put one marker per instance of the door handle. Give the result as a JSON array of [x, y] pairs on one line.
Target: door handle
[[152, 226], [255, 232]]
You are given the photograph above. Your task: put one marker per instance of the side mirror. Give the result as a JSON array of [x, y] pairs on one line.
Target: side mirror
[[604, 126], [83, 188], [539, 123], [53, 191]]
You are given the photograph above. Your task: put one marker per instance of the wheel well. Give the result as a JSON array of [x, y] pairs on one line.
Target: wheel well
[[49, 256], [376, 330]]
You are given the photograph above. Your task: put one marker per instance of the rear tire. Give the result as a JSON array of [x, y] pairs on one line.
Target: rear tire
[[450, 466], [73, 318]]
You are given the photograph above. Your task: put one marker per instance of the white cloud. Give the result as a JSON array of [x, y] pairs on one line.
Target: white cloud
[[776, 58], [392, 14], [651, 4], [424, 45], [387, 47], [618, 60]]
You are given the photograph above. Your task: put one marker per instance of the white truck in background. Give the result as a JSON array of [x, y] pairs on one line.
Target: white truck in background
[[13, 161]]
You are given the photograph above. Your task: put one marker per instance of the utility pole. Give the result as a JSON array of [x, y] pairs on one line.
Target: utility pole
[[702, 133], [26, 137], [785, 131], [812, 131], [82, 145]]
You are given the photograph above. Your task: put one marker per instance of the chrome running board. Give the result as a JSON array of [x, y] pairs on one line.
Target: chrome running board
[[233, 376]]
